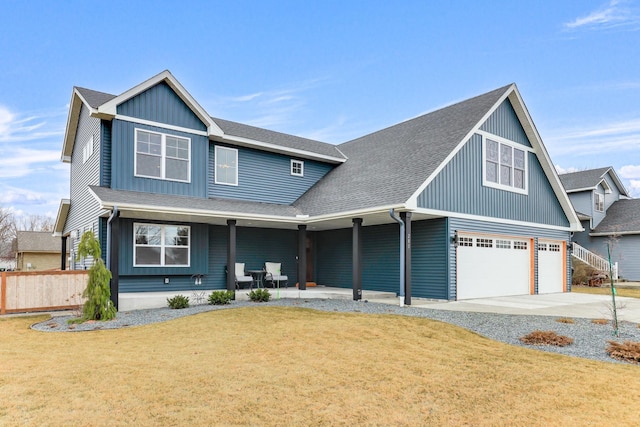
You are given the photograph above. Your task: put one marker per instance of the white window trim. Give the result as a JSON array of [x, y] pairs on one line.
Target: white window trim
[[597, 196], [215, 165], [512, 144], [162, 246], [163, 156], [87, 150], [301, 164]]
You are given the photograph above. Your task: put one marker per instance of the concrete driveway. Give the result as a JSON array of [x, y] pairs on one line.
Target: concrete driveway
[[561, 304]]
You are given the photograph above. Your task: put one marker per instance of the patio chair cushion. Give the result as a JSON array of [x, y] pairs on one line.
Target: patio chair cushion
[[240, 269], [274, 273]]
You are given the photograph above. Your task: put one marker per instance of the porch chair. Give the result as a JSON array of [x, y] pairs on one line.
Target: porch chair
[[273, 274], [241, 276]]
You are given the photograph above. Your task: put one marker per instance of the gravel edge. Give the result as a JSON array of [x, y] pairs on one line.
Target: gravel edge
[[590, 339]]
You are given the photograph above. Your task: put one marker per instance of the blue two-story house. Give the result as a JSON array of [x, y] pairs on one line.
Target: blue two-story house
[[175, 196], [610, 217]]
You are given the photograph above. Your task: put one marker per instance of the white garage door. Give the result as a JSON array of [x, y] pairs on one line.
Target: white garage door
[[490, 266], [550, 266]]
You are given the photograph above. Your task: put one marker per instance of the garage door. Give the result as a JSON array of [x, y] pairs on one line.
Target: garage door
[[490, 266], [550, 266]]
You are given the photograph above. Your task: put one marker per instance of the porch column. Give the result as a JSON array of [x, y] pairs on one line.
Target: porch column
[[114, 260], [302, 257], [231, 255], [357, 258], [406, 218], [63, 256]]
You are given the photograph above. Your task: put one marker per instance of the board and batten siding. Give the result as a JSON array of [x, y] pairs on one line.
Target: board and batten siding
[[265, 177], [498, 229], [504, 122], [105, 153], [162, 105], [458, 188], [84, 209], [429, 259], [255, 246], [123, 163]]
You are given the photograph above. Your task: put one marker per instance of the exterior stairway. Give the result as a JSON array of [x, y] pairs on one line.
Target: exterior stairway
[[594, 260]]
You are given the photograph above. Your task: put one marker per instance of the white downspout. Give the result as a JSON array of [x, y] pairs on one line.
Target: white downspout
[[402, 255]]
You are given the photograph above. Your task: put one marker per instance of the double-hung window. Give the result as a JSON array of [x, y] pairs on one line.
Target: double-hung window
[[226, 160], [157, 245], [162, 156], [599, 202], [505, 165]]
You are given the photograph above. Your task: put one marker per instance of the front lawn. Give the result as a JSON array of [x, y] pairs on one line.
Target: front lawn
[[632, 293], [294, 366]]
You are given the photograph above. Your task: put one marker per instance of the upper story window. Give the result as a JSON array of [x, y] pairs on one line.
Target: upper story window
[[297, 168], [505, 165], [158, 245], [87, 150], [598, 202], [162, 156], [226, 160]]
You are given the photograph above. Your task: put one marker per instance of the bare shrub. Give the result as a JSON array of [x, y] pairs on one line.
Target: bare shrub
[[546, 338], [600, 321], [629, 351], [565, 320], [582, 273]]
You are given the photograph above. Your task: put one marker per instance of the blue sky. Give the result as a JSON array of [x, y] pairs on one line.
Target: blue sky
[[328, 70]]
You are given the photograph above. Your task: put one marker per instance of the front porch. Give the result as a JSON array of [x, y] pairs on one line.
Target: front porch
[[147, 300]]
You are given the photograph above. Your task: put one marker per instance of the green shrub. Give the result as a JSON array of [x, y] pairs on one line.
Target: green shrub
[[259, 295], [220, 297], [179, 301], [98, 304]]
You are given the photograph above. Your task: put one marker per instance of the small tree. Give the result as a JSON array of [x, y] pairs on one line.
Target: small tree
[[98, 305]]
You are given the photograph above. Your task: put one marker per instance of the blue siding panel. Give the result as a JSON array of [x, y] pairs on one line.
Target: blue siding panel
[[255, 246], [161, 104], [123, 157], [429, 269], [504, 122], [458, 188], [216, 277], [625, 250], [334, 261], [105, 153], [265, 177], [381, 258]]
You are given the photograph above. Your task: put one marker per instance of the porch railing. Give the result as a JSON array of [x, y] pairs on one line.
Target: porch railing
[[594, 260]]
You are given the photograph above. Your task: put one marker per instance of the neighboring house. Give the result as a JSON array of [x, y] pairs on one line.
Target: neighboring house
[[608, 215], [7, 264], [37, 251], [173, 193]]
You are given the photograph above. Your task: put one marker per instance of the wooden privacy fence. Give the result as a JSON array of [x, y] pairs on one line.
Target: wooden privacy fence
[[41, 290]]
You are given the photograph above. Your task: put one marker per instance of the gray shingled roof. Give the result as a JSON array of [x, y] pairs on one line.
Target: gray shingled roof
[[93, 97], [583, 179], [387, 167], [277, 138], [38, 241], [622, 216], [124, 198]]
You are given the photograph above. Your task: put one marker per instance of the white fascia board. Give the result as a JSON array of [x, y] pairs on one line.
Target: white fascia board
[[109, 109], [265, 146], [617, 181], [435, 212], [75, 106], [160, 125], [61, 217], [614, 233], [578, 190], [413, 200], [356, 213]]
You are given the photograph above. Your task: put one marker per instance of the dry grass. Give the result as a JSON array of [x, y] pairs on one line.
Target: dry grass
[[546, 338], [291, 366], [600, 321], [628, 351], [565, 320], [621, 292]]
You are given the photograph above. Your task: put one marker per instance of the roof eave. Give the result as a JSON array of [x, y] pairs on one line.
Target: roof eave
[[61, 217], [75, 107]]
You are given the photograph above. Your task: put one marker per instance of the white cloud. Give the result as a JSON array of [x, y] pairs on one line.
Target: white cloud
[[630, 172], [613, 14], [560, 170], [618, 136]]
